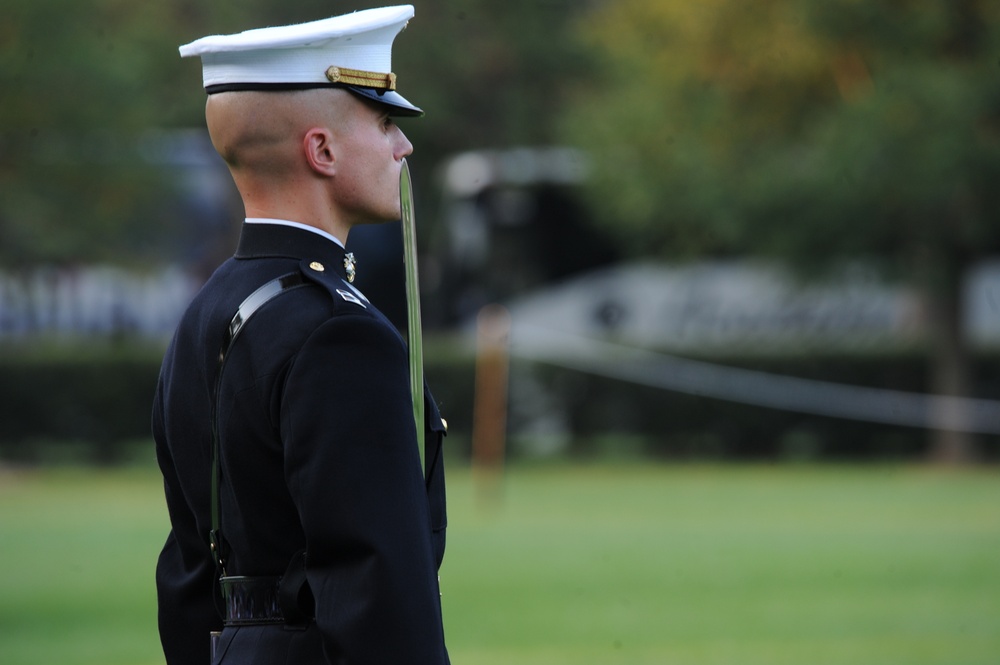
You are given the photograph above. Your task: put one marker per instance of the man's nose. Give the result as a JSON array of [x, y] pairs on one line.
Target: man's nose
[[403, 145]]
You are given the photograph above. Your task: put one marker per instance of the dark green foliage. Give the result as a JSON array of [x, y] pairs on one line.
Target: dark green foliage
[[98, 400]]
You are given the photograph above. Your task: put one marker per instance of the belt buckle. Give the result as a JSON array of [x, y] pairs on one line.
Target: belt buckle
[[251, 601]]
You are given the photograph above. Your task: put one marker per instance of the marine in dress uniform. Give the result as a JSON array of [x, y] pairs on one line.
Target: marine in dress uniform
[[331, 532]]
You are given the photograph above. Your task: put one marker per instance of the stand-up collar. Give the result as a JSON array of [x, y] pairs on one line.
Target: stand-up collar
[[258, 241]]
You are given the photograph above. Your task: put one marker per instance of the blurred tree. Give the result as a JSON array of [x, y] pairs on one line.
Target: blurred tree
[[83, 82], [80, 83], [490, 75], [814, 131]]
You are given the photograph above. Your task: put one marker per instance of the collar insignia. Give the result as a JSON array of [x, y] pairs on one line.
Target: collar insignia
[[350, 265]]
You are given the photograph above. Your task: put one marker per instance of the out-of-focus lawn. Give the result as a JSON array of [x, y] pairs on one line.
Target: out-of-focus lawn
[[639, 564], [77, 553]]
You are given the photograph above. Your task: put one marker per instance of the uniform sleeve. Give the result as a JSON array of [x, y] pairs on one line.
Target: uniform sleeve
[[185, 572], [353, 470]]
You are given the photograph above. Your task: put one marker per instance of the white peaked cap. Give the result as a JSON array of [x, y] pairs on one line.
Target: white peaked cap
[[353, 51]]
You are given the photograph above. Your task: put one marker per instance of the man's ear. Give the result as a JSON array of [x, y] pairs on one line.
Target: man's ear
[[319, 151]]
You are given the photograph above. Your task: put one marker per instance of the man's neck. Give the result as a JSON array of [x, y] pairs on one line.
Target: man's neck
[[298, 225]]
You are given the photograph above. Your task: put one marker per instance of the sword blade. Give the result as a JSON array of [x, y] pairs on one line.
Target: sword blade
[[414, 332]]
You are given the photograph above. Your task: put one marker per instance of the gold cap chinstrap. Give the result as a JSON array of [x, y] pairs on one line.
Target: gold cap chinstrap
[[358, 77]]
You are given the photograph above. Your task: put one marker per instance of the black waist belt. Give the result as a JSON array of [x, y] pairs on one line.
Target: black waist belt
[[251, 601]]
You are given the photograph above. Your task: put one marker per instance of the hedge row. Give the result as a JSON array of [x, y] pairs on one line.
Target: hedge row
[[97, 399], [653, 422], [100, 396]]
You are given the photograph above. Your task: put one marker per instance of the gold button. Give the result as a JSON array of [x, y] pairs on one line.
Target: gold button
[[317, 266], [444, 423]]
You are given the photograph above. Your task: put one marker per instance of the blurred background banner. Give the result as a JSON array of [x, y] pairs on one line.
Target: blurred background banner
[[804, 188]]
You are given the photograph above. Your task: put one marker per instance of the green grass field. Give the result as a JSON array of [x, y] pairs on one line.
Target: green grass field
[[581, 565]]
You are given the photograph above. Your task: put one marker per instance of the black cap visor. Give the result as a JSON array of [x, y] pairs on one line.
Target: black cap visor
[[398, 105]]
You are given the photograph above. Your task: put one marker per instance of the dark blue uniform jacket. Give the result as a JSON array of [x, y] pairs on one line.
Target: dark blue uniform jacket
[[318, 453]]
